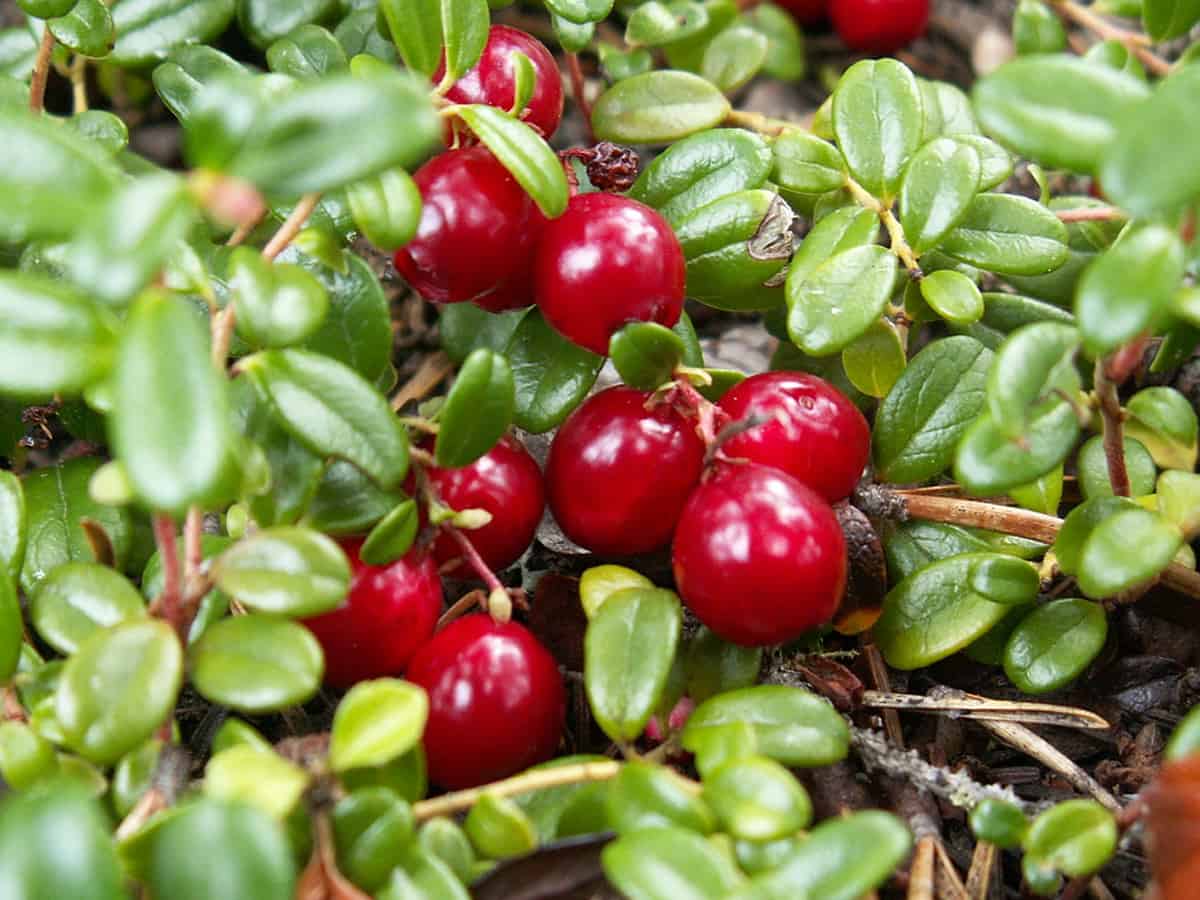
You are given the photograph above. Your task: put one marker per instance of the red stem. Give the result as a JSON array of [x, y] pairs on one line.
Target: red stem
[[578, 89], [471, 555], [41, 72], [1114, 439], [170, 601]]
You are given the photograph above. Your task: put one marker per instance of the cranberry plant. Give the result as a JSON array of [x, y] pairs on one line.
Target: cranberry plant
[[225, 513]]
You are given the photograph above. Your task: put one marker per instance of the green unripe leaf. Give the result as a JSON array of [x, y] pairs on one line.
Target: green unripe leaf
[[376, 723], [263, 779], [757, 799], [658, 108], [371, 827], [1179, 501], [1054, 644], [287, 571], [877, 119], [78, 599], [938, 186], [499, 829], [523, 152], [598, 583], [477, 411], [998, 822], [1076, 838], [277, 305], [386, 208], [646, 354]]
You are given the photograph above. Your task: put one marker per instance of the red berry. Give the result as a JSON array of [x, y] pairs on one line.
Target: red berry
[[505, 481], [758, 557], [390, 612], [493, 82], [879, 26], [815, 433], [496, 701], [806, 12], [618, 474], [607, 261], [477, 232]]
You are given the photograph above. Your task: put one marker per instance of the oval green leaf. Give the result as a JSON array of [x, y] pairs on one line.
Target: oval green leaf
[[658, 108]]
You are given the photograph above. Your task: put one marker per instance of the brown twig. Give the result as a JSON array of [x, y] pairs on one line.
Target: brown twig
[[41, 72], [920, 873], [1091, 214], [579, 90], [1114, 441], [448, 804], [1106, 31], [193, 548], [883, 685], [432, 371], [170, 600]]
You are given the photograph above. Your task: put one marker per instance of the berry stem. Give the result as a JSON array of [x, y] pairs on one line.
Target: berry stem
[[582, 773], [579, 90], [1114, 440], [170, 600], [709, 418], [78, 73], [895, 230], [753, 121], [41, 72]]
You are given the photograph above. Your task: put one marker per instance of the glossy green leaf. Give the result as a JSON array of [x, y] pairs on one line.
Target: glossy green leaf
[[13, 525], [371, 827], [598, 583], [734, 56], [1092, 468], [465, 327], [1070, 127], [1078, 526], [573, 37], [170, 425], [1035, 364], [55, 339], [444, 839], [990, 461], [523, 152], [628, 650], [392, 537], [276, 305], [118, 687], [332, 410], [360, 36], [757, 799], [581, 12], [266, 21], [806, 164], [1010, 235], [843, 229], [669, 864], [644, 795], [660, 22], [877, 121], [78, 599], [377, 722], [256, 860], [286, 570], [182, 76], [712, 665], [1003, 579], [347, 501], [1128, 288], [1184, 742], [307, 53], [1165, 422], [1037, 29], [785, 42], [416, 30], [465, 32], [998, 822], [387, 208], [357, 329], [552, 375], [148, 30], [25, 757], [498, 828], [87, 29], [477, 411], [1167, 19], [620, 65], [837, 302], [658, 108], [422, 876], [875, 361], [953, 296], [791, 725], [45, 9], [1126, 549], [256, 664], [134, 775], [938, 186], [646, 354], [12, 628], [946, 111], [1076, 837], [1042, 495], [1054, 644], [263, 779]]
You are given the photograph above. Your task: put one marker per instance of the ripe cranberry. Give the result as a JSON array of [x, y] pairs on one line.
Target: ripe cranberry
[[806, 12], [815, 434], [607, 261], [493, 81], [390, 612], [505, 481], [477, 232], [879, 26], [618, 474], [496, 701], [758, 557]]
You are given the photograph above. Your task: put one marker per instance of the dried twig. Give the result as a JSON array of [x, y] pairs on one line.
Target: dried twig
[[969, 706]]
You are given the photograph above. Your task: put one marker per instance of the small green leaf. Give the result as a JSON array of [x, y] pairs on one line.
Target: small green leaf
[[1092, 468], [332, 410], [1076, 837], [1010, 235], [757, 799], [286, 570], [658, 108], [1179, 501], [1037, 29], [805, 164], [416, 30], [998, 822], [1124, 550], [499, 829], [347, 501], [266, 21], [785, 42], [524, 77], [573, 37], [646, 354], [256, 664], [644, 796], [939, 184], [791, 725], [660, 22], [712, 665], [552, 375], [628, 650], [118, 688], [734, 56], [25, 757], [1003, 579], [1167, 19], [45, 9], [1165, 422], [186, 70], [581, 12], [13, 525], [78, 599], [526, 155], [876, 360], [357, 329], [1054, 644], [308, 53], [953, 296], [598, 583], [877, 121], [371, 828], [465, 327], [464, 34], [12, 629], [147, 30], [263, 779], [1184, 742], [386, 208], [837, 302], [669, 864], [995, 163], [1035, 364], [392, 537], [419, 874], [1043, 495], [843, 229], [87, 29], [277, 305], [377, 722], [990, 461], [477, 411]]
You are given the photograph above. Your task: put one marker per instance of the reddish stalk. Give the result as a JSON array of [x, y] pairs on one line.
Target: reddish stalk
[[1114, 441], [41, 72], [1090, 214], [579, 90], [1133, 40], [170, 601]]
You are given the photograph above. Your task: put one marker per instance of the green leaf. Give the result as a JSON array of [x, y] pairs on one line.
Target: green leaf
[[937, 611], [1035, 364], [656, 22], [1125, 550], [1076, 837], [573, 37], [658, 108], [1092, 468], [415, 26], [465, 32], [477, 411], [392, 537], [266, 21], [118, 688], [702, 168], [628, 650], [277, 305], [734, 56], [877, 121], [1127, 289], [527, 156], [953, 296], [990, 461], [57, 843], [256, 664], [286, 571], [54, 338], [256, 860], [499, 829], [805, 164], [876, 360], [1003, 579], [669, 864], [12, 629], [581, 12], [465, 327], [843, 229], [998, 822], [170, 425], [842, 859], [1185, 739], [646, 354], [995, 163], [45, 9], [377, 722], [552, 375], [332, 410], [78, 599], [1043, 495], [186, 70], [386, 208], [263, 779], [422, 876], [712, 665], [524, 81], [757, 799], [946, 111], [87, 29], [347, 501], [644, 796], [25, 757], [148, 30], [785, 42], [308, 53], [837, 302], [1037, 29], [371, 828], [13, 525], [1165, 422], [1009, 235], [1054, 644], [938, 186], [362, 36], [791, 725], [1168, 19], [103, 128], [357, 329], [1070, 127]]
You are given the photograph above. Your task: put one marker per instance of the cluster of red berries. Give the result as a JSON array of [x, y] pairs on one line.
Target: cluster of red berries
[[608, 260], [757, 551], [871, 26]]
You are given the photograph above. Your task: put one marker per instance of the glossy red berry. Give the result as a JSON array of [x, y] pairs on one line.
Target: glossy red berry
[[814, 432], [806, 12], [477, 232], [505, 481], [605, 262], [389, 612], [492, 81], [618, 474], [879, 26], [758, 557], [496, 701]]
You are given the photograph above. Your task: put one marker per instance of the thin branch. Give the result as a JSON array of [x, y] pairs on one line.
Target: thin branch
[[895, 230], [579, 90], [170, 600], [1091, 214], [1136, 42], [448, 804], [972, 707], [78, 72], [291, 226], [432, 372], [1114, 440], [41, 72], [752, 121]]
